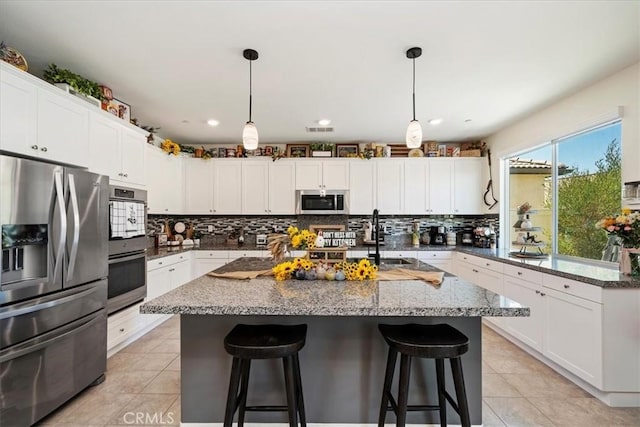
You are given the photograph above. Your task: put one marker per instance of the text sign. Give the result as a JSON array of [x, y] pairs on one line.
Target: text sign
[[336, 239]]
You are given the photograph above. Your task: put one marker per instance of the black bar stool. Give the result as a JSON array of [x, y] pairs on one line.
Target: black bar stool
[[248, 342], [437, 342]]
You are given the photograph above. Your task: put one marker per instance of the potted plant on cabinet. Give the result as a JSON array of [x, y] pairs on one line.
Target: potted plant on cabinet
[[74, 83]]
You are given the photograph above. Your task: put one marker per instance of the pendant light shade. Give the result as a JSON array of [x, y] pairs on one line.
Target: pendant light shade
[[250, 136], [413, 137], [250, 131]]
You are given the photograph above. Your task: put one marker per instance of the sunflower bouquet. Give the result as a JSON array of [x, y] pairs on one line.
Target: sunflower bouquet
[[361, 270], [170, 147], [286, 270], [297, 239]]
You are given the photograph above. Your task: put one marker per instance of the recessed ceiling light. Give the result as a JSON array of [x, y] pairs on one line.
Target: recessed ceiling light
[[213, 122], [468, 121], [324, 122], [434, 122], [185, 121]]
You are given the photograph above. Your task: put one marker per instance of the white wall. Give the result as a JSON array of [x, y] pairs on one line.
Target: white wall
[[588, 107]]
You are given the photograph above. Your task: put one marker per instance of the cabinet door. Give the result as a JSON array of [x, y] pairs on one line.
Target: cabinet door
[[180, 273], [282, 194], [529, 330], [203, 266], [573, 334], [227, 182], [198, 186], [63, 129], [158, 282], [468, 186], [18, 114], [390, 187], [104, 147], [174, 185], [335, 174], [132, 146], [440, 186], [362, 179], [158, 166], [308, 175], [416, 189], [255, 187]]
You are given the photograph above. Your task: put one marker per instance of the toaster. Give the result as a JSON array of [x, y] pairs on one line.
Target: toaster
[[261, 240]]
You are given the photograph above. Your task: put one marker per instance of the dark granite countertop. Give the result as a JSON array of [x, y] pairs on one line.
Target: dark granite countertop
[[266, 296]]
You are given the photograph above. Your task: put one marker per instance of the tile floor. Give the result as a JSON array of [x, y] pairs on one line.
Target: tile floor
[[518, 390]]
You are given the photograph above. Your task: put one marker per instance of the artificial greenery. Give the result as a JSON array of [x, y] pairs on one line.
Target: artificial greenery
[[321, 146], [53, 74]]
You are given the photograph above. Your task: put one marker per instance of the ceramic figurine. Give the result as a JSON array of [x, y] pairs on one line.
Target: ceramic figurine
[[320, 240], [311, 275], [300, 274], [330, 274], [320, 271], [340, 275]]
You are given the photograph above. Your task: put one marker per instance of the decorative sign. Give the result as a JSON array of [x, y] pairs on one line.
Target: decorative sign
[[336, 239]]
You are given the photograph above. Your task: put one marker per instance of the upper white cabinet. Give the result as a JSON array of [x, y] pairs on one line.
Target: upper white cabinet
[[468, 187], [165, 183], [40, 120], [362, 188], [116, 151], [18, 113], [198, 186], [440, 185], [390, 186], [282, 195], [255, 187], [227, 185], [330, 174]]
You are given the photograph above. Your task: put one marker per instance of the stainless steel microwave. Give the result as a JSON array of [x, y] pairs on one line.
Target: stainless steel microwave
[[322, 202]]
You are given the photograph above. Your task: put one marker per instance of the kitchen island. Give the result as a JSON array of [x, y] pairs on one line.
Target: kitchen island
[[344, 358]]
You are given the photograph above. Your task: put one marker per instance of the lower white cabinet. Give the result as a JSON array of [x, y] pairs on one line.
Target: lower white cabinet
[[439, 259], [206, 261], [529, 330]]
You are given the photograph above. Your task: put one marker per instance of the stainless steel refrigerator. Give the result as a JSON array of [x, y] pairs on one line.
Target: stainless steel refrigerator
[[53, 286]]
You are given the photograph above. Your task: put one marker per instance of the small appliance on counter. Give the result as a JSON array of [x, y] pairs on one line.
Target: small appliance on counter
[[466, 238], [261, 240], [438, 235], [481, 237]]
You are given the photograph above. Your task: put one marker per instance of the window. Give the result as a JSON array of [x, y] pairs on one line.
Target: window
[[570, 183]]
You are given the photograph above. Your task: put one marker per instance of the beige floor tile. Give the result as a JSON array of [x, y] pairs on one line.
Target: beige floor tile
[[142, 345], [615, 416], [486, 369], [493, 385], [515, 363], [174, 412], [568, 412], [167, 382], [145, 409], [167, 346], [98, 408], [550, 385], [517, 411], [127, 381], [153, 361], [121, 361], [489, 418], [174, 366]]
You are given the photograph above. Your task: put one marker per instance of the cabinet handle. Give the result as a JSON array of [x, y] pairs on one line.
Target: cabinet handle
[[172, 269], [210, 210], [542, 294], [120, 174], [126, 175], [537, 292], [519, 273], [121, 329], [166, 210], [566, 286], [474, 270], [181, 257], [433, 255], [44, 149], [160, 263], [488, 264], [34, 147]]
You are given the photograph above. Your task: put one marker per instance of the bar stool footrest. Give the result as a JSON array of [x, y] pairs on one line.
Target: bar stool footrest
[[266, 408]]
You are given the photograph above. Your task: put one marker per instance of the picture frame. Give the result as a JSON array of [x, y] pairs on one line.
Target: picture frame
[[347, 150], [222, 152], [119, 109], [297, 150], [267, 150]]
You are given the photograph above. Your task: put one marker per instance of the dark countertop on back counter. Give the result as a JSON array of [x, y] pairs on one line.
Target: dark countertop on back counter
[[587, 273]]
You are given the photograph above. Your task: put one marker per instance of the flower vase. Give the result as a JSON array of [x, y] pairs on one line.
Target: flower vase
[[630, 261]]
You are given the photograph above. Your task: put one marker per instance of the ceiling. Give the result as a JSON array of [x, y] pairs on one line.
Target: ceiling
[[179, 63]]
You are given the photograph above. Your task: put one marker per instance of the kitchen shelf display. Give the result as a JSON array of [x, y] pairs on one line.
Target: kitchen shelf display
[[527, 238]]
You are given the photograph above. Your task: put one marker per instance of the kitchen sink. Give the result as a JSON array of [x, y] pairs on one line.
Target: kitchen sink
[[395, 261]]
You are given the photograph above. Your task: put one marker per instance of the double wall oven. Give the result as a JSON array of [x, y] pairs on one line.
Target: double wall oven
[[127, 247]]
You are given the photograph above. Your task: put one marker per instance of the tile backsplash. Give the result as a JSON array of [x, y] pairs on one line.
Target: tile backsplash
[[397, 227]]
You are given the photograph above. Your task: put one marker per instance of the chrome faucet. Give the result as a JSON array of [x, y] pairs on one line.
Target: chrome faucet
[[376, 230]]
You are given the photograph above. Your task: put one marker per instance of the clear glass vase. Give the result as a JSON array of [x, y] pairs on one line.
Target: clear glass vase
[[630, 261]]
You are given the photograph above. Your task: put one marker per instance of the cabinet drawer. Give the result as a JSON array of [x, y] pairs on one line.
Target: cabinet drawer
[[398, 254], [211, 255], [572, 287], [427, 255], [482, 262], [247, 253], [523, 273], [167, 260]]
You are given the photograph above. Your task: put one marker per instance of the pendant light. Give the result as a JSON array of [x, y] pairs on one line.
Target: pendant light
[[414, 131], [250, 131]]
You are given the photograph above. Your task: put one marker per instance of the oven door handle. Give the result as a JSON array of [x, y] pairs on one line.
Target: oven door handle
[[73, 255], [127, 258]]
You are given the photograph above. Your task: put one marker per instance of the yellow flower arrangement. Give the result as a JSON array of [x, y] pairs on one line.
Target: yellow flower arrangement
[[361, 270], [170, 147], [285, 270], [301, 239]]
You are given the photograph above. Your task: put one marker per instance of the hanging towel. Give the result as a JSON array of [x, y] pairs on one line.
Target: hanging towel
[[127, 219]]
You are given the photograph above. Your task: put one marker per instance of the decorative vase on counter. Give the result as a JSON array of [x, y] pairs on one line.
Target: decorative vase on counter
[[630, 261]]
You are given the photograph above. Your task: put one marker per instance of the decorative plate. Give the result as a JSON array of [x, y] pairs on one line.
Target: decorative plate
[[416, 152], [179, 227], [13, 57]]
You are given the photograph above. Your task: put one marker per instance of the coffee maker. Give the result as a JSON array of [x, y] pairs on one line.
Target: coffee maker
[[438, 235], [466, 236]]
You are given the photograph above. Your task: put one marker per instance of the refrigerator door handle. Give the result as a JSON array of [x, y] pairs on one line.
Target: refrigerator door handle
[[59, 254], [76, 227]]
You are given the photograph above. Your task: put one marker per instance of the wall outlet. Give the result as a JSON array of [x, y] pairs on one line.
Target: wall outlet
[[210, 228]]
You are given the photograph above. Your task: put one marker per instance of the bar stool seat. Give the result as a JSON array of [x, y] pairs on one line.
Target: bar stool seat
[[248, 342], [437, 342]]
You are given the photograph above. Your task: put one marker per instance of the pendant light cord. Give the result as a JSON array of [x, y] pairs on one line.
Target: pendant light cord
[[414, 89], [251, 91]]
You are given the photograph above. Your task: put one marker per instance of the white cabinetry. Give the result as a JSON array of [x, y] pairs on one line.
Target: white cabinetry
[[206, 261], [268, 187], [282, 195], [390, 186], [525, 287], [362, 187], [165, 193], [115, 150], [18, 112], [227, 184], [441, 190], [330, 174], [198, 186], [468, 186], [439, 259]]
